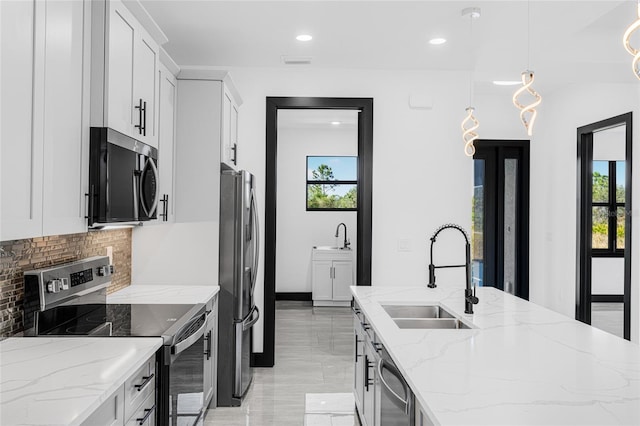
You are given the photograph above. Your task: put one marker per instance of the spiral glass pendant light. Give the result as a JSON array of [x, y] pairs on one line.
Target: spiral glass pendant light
[[528, 112], [469, 126], [470, 123], [626, 41]]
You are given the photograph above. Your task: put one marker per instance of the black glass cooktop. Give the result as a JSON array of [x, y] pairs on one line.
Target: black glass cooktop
[[129, 320]]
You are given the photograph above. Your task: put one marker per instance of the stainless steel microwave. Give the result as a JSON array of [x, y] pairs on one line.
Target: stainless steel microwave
[[123, 179]]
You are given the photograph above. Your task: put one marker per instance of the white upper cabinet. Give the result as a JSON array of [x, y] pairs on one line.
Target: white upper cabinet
[[166, 144], [20, 152], [206, 101], [45, 131], [66, 117], [125, 81], [229, 144]]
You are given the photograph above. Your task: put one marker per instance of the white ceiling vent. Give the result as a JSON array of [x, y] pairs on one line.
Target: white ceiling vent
[[296, 60]]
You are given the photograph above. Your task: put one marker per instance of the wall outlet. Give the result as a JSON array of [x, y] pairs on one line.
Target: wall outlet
[[110, 254], [404, 244]]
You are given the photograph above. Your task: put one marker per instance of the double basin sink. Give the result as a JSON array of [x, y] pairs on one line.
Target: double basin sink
[[423, 317]]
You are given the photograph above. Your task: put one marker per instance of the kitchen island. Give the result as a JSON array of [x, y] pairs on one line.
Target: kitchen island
[[64, 380], [517, 364]]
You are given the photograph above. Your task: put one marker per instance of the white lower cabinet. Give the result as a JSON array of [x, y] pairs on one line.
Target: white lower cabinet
[[133, 403], [145, 414], [110, 413], [211, 355], [365, 375], [331, 277]]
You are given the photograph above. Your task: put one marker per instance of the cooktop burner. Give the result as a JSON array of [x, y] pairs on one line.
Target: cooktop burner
[[138, 320]]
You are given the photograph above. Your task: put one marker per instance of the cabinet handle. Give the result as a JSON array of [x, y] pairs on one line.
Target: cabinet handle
[[86, 195], [234, 148], [142, 117], [357, 341], [366, 373], [207, 352], [145, 381], [147, 413], [165, 209]]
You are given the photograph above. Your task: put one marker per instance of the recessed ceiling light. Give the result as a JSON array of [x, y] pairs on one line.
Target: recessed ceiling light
[[506, 82], [336, 123], [304, 37], [438, 40]]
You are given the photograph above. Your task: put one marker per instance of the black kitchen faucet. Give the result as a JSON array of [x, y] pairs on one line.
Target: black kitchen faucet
[[470, 298]]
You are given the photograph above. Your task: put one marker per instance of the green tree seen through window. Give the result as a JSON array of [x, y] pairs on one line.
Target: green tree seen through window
[[324, 192]]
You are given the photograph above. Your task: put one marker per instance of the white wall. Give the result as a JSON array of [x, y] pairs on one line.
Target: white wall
[[553, 190], [297, 230], [421, 178]]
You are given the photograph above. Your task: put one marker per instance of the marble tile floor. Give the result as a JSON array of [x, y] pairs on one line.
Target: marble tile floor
[[608, 317], [314, 355]]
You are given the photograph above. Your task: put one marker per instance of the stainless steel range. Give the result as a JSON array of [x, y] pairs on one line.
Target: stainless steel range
[[70, 300]]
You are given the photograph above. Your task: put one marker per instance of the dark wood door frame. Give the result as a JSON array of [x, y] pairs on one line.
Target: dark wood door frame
[[584, 219], [364, 214]]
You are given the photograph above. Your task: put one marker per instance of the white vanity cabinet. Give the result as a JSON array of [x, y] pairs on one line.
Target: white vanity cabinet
[[331, 277], [133, 403], [45, 117], [125, 63]]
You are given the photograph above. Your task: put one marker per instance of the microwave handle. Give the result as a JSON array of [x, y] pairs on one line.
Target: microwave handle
[[135, 196], [154, 206]]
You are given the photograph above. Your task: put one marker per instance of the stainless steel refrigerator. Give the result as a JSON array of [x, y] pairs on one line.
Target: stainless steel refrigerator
[[238, 272]]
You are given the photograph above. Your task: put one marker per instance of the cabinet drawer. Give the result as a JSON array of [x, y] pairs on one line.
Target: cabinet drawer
[[145, 415], [139, 386]]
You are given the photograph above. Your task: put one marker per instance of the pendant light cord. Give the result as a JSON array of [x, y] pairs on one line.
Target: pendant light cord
[[472, 57], [529, 34]]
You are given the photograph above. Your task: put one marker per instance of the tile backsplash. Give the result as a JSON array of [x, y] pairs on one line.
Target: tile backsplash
[[17, 256]]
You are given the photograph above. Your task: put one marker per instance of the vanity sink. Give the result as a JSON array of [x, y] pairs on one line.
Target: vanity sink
[[417, 311], [431, 323]]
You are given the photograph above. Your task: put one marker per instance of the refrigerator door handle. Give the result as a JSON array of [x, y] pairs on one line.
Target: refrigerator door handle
[[255, 237], [251, 320]]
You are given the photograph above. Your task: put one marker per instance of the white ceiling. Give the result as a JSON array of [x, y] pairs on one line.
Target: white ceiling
[[571, 41], [317, 119]]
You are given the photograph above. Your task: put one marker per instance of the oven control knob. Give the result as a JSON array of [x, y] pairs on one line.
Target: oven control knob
[[104, 271], [54, 286], [64, 283]]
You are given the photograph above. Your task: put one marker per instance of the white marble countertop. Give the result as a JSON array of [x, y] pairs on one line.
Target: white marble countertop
[[179, 294], [522, 364], [62, 380]]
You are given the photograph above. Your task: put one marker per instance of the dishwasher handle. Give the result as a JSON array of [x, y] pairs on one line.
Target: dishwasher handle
[[406, 401]]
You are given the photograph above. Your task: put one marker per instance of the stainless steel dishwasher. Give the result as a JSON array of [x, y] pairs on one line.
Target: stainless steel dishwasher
[[396, 401]]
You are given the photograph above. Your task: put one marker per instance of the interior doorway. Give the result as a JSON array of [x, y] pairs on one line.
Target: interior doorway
[[364, 106], [603, 284], [500, 225]]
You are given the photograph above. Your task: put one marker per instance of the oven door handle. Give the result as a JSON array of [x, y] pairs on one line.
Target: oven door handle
[[186, 343], [248, 323], [382, 364]]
